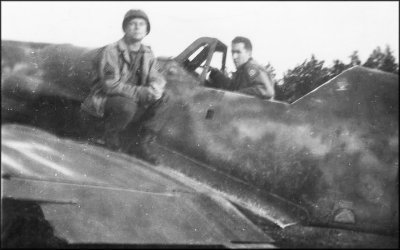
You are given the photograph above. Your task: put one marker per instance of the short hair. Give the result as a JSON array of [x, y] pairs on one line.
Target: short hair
[[244, 40]]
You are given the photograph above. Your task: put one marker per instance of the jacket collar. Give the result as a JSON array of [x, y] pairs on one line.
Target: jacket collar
[[244, 64], [123, 48]]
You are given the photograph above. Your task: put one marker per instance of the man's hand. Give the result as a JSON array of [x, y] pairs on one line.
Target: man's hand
[[148, 94], [155, 93], [212, 72], [212, 69]]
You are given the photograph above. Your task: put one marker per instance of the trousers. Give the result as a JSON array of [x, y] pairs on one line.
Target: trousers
[[120, 112]]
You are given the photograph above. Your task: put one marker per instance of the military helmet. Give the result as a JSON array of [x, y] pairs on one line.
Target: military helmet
[[134, 14]]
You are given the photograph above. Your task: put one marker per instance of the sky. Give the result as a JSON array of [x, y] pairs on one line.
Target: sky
[[283, 33]]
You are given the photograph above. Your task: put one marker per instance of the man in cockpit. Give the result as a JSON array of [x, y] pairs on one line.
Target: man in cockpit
[[250, 77]]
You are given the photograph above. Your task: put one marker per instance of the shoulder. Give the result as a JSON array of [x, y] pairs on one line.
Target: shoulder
[[147, 49], [253, 69], [252, 64], [111, 49], [115, 46]]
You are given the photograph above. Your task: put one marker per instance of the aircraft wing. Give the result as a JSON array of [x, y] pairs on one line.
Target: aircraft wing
[[58, 191]]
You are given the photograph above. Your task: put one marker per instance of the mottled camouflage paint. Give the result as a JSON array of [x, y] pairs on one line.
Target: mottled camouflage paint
[[335, 145], [335, 148]]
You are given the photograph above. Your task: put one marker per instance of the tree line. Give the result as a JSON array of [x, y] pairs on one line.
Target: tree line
[[312, 73]]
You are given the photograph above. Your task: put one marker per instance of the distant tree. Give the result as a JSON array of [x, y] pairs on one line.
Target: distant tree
[[302, 79], [354, 59], [388, 62], [279, 91], [374, 59], [384, 61], [311, 73], [337, 68]]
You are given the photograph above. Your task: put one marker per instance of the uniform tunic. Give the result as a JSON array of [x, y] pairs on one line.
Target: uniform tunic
[[117, 75], [250, 78]]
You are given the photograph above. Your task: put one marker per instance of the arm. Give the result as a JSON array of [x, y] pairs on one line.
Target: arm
[[219, 80], [261, 84], [156, 80]]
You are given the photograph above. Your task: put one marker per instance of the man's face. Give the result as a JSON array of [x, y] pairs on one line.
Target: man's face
[[136, 29], [239, 54]]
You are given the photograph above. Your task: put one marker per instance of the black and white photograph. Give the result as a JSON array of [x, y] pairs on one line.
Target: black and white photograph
[[200, 124]]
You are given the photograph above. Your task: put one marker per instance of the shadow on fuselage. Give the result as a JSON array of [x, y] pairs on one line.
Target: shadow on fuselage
[[23, 225]]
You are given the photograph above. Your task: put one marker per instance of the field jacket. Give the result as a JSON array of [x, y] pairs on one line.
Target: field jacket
[[116, 74], [250, 78]]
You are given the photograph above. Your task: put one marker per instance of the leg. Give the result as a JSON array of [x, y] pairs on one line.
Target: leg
[[90, 127], [148, 130], [157, 109], [119, 112]]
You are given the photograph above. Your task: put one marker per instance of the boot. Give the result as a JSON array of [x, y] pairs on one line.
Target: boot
[[112, 141], [142, 149]]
